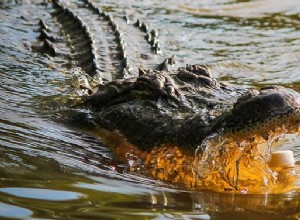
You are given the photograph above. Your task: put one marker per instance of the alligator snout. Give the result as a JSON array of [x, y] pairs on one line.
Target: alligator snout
[[258, 112]]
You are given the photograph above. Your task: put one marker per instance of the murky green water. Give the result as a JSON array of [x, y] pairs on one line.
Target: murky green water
[[50, 169]]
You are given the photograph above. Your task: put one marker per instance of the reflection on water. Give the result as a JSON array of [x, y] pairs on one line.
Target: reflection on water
[[11, 211], [49, 169], [43, 194]]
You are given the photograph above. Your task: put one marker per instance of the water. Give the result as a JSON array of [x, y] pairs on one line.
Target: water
[[52, 169]]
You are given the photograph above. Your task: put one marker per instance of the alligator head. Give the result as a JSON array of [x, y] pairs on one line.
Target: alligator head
[[236, 157], [235, 154], [172, 115]]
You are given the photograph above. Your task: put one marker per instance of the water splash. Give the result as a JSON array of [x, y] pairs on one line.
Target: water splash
[[241, 165]]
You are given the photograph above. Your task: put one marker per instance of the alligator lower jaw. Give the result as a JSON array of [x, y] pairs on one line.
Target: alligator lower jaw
[[228, 164]]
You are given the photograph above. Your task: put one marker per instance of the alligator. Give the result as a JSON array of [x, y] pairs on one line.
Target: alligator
[[177, 125]]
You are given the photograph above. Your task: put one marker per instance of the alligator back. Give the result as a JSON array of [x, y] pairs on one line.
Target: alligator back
[[135, 93], [80, 34]]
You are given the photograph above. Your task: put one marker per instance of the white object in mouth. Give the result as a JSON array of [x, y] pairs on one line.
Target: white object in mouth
[[283, 159]]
